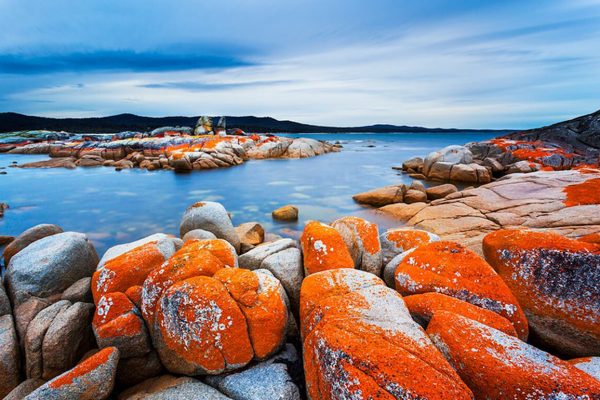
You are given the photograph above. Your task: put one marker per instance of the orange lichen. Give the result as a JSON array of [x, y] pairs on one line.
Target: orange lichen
[[263, 306], [83, 368], [452, 269], [407, 239], [423, 306], [110, 306], [128, 269], [125, 325], [200, 323], [591, 238], [324, 248], [367, 233], [352, 351], [584, 193], [498, 366], [217, 247], [135, 295]]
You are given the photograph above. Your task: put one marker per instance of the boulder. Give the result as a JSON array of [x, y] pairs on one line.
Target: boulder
[[423, 306], [168, 387], [440, 191], [267, 380], [58, 162], [9, 355], [360, 342], [27, 311], [134, 370], [24, 388], [453, 154], [50, 265], [362, 240], [323, 248], [413, 164], [498, 366], [198, 234], [402, 212], [251, 233], [440, 171], [254, 258], [452, 269], [81, 290], [417, 185], [29, 236], [398, 240], [92, 379], [166, 244], [212, 217], [286, 213], [286, 265], [381, 196], [520, 167], [555, 280], [5, 307], [414, 196], [589, 365], [495, 165]]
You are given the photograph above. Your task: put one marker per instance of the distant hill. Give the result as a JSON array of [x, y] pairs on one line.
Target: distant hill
[[130, 122]]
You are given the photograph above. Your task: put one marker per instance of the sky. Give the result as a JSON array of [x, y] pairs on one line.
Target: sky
[[455, 63]]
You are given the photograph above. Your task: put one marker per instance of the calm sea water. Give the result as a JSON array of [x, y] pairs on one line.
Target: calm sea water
[[116, 207]]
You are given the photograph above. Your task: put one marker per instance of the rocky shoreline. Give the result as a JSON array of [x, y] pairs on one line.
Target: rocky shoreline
[[346, 312], [164, 149]]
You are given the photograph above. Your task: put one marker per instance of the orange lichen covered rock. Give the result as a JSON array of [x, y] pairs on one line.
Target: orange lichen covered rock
[[219, 248], [261, 298], [589, 365], [591, 238], [362, 240], [126, 270], [117, 322], [556, 282], [360, 343], [182, 265], [584, 193], [92, 379], [452, 269], [200, 329], [134, 294], [323, 248], [423, 306], [498, 366]]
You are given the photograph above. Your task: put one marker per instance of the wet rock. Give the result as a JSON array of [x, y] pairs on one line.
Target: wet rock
[[556, 281], [267, 380], [440, 191], [29, 236], [79, 291], [118, 323], [498, 366], [24, 388], [349, 319], [168, 387], [286, 213], [251, 233], [199, 234], [323, 248], [362, 240], [589, 365], [414, 196], [450, 268], [398, 240], [9, 355], [212, 217], [50, 265], [68, 337], [381, 196], [423, 306], [92, 379]]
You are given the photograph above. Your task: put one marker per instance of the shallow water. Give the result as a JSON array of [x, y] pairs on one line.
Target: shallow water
[[115, 207]]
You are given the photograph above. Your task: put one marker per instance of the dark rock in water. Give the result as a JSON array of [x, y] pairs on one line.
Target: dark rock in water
[[50, 265], [29, 236], [3, 207], [286, 213]]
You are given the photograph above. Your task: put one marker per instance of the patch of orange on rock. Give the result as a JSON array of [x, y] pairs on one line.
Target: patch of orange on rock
[[83, 368], [584, 193], [323, 248], [407, 239]]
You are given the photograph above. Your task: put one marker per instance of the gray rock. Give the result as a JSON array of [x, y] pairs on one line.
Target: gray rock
[[451, 154], [50, 265], [212, 217], [355, 232], [254, 258], [67, 339], [93, 380], [199, 234], [9, 355], [589, 365], [390, 268], [29, 236], [27, 311], [36, 330], [286, 265], [4, 302], [134, 370], [168, 387], [79, 291], [24, 389]]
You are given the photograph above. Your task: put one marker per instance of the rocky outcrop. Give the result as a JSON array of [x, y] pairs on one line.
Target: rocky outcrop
[[539, 201], [556, 281]]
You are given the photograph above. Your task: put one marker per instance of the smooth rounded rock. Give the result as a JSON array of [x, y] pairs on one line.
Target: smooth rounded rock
[[29, 236], [362, 240], [212, 217], [286, 213]]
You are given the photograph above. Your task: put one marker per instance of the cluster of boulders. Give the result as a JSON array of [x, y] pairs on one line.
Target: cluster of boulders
[[416, 192], [346, 312], [180, 153]]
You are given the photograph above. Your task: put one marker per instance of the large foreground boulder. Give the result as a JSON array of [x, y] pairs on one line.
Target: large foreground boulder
[[556, 281], [50, 265], [212, 217], [361, 343], [29, 236], [498, 366]]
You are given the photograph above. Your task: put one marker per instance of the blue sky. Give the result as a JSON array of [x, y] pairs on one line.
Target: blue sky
[[466, 64]]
